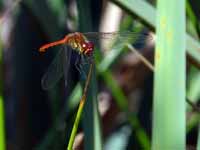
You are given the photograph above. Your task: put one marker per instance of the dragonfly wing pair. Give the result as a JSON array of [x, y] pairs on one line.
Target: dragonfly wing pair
[[58, 68], [121, 38]]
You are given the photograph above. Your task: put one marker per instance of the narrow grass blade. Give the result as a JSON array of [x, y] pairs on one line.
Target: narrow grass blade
[[80, 109], [169, 83], [91, 118], [141, 57], [2, 116], [2, 127]]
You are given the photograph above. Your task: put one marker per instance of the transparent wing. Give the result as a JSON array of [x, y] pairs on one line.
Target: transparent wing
[[111, 35], [66, 62], [119, 37], [56, 69]]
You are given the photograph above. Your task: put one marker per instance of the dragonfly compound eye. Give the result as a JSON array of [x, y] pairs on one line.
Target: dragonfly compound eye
[[89, 47]]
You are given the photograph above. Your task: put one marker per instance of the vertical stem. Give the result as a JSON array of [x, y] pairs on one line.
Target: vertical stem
[[80, 109], [2, 131], [2, 119], [169, 113]]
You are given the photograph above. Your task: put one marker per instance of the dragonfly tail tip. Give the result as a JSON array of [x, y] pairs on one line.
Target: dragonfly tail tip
[[42, 50]]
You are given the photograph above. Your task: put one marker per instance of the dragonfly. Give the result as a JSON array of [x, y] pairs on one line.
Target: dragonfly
[[83, 44]]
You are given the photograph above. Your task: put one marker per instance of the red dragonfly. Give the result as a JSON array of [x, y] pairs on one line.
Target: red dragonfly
[[83, 44]]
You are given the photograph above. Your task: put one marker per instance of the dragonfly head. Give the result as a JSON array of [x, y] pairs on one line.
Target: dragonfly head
[[88, 48]]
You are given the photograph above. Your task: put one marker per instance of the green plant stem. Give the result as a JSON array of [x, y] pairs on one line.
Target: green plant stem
[[80, 109], [2, 133], [169, 107], [141, 57]]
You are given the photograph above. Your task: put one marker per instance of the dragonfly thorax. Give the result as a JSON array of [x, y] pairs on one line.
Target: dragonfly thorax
[[79, 43]]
